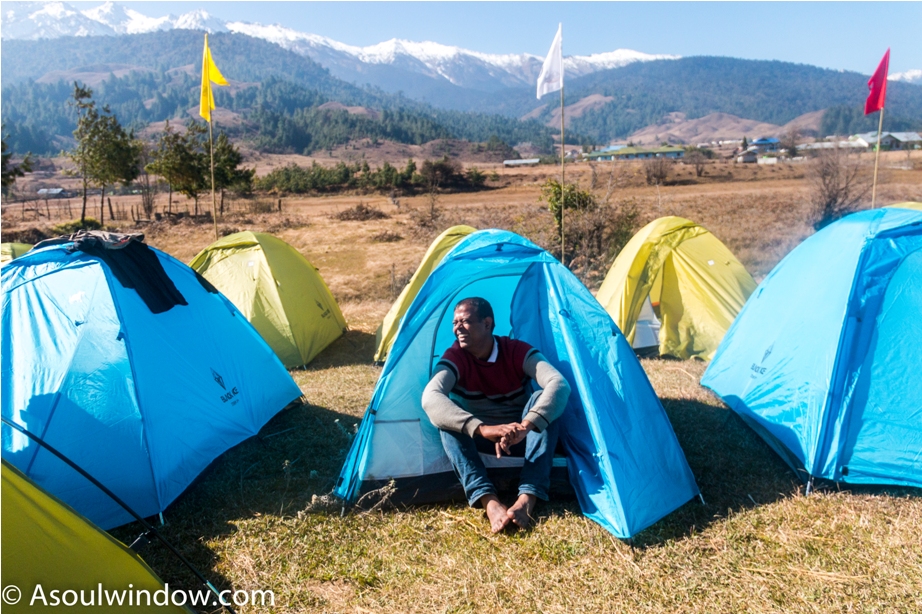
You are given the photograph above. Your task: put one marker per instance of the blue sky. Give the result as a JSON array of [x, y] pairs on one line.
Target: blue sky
[[837, 35]]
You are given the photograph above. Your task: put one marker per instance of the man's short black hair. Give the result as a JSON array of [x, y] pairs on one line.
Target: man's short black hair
[[480, 306]]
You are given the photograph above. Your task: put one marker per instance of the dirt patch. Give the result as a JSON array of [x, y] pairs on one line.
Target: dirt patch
[[577, 109]]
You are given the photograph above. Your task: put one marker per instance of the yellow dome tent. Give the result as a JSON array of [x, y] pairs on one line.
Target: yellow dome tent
[[443, 244], [695, 284], [11, 251], [908, 205], [48, 547], [278, 290]]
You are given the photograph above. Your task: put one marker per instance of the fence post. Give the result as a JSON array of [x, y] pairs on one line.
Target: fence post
[[280, 205]]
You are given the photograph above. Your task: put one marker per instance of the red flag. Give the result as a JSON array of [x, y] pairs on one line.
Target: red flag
[[878, 86]]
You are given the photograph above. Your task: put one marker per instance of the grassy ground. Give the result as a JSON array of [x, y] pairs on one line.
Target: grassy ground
[[261, 517]]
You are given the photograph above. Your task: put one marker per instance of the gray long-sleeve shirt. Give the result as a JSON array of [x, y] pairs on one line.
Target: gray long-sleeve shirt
[[452, 413]]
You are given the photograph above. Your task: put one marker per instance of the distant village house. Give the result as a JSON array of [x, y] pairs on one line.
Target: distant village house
[[889, 140], [766, 145], [48, 193], [637, 153], [525, 162]]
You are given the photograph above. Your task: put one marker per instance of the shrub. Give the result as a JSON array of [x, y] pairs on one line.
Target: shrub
[[475, 177], [386, 236], [360, 213], [28, 235], [596, 235], [69, 228]]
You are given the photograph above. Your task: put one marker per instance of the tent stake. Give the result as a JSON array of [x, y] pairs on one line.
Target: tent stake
[[700, 496], [809, 486]]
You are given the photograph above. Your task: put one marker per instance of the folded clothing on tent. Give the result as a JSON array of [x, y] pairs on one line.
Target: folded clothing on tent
[[132, 262]]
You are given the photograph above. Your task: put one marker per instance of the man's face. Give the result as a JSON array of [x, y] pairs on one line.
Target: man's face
[[470, 331]]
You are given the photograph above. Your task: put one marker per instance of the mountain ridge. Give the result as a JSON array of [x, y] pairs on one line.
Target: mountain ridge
[[456, 65]]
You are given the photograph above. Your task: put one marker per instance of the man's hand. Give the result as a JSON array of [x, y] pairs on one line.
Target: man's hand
[[516, 436], [505, 435], [498, 434]]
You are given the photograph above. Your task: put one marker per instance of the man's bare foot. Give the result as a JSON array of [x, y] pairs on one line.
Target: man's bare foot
[[496, 512], [520, 512]]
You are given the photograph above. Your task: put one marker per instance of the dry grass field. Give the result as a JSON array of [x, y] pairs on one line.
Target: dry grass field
[[261, 517]]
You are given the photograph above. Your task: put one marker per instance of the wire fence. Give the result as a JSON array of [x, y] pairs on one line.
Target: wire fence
[[128, 208]]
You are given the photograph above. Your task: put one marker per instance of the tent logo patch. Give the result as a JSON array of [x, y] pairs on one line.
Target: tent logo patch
[[229, 394], [758, 369], [325, 313], [217, 377]]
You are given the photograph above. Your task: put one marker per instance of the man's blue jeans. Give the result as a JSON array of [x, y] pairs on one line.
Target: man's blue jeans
[[537, 449]]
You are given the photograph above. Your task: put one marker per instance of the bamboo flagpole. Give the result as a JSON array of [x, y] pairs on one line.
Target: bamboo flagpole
[[210, 74], [214, 202], [551, 80], [880, 127], [877, 98], [563, 184]]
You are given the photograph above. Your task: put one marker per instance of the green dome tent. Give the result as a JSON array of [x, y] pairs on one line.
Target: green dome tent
[[695, 282], [443, 244], [278, 290], [47, 543], [11, 251]]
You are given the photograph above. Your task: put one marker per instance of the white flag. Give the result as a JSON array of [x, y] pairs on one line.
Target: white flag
[[551, 77]]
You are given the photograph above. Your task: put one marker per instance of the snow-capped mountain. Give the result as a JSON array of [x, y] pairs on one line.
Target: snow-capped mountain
[[124, 20], [458, 66], [36, 20], [910, 76], [33, 20], [393, 65]]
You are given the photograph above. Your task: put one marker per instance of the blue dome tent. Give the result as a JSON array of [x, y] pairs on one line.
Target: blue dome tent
[[623, 459], [824, 359], [131, 366]]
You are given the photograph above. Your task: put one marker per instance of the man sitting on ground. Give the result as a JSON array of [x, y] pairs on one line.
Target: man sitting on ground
[[478, 399]]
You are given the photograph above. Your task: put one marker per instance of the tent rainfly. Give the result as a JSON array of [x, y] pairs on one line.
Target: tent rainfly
[[622, 456], [695, 284], [277, 290], [132, 366], [47, 546], [443, 244], [833, 386]]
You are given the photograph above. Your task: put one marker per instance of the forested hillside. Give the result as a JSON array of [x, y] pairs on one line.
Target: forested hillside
[[277, 94], [276, 91], [773, 92]]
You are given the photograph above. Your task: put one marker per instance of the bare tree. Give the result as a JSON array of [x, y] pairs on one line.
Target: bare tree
[[656, 170], [789, 141], [838, 181], [147, 187], [696, 158]]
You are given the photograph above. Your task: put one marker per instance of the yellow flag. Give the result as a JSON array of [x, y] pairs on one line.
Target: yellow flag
[[210, 74]]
